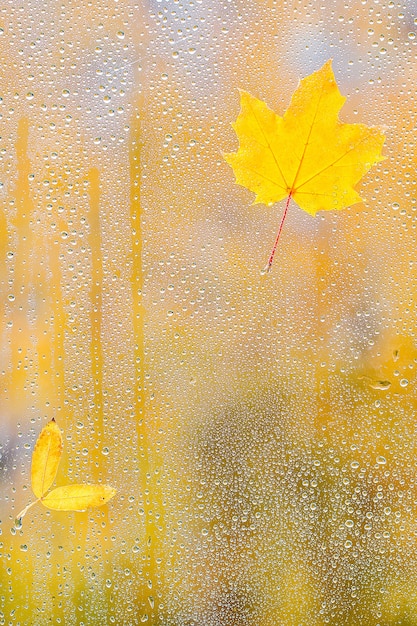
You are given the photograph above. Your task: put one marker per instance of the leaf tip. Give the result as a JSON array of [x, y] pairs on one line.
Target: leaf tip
[[245, 96], [266, 269], [110, 492]]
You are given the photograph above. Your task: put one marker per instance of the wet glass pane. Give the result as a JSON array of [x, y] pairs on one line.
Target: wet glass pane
[[259, 428]]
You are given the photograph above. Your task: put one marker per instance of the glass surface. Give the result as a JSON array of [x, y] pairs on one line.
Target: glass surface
[[260, 430]]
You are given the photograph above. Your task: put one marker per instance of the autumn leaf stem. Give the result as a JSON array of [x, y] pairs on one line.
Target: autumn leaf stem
[[268, 266], [26, 509]]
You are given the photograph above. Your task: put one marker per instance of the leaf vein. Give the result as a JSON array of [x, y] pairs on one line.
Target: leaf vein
[[307, 143], [270, 180], [270, 148], [333, 164]]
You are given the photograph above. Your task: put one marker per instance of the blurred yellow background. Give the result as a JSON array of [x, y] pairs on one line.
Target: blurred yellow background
[[260, 430]]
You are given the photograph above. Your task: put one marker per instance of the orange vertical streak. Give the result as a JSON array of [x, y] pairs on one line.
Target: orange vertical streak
[[50, 327], [147, 494], [24, 209], [96, 292], [137, 279], [3, 282], [59, 329], [3, 235]]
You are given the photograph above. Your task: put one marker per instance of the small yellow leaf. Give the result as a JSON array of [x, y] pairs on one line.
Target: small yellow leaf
[[78, 497], [45, 458], [45, 461]]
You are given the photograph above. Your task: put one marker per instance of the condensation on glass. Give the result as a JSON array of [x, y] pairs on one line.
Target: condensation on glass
[[260, 430]]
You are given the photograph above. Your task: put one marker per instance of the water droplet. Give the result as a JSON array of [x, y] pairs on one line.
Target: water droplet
[[382, 385], [403, 382], [381, 460]]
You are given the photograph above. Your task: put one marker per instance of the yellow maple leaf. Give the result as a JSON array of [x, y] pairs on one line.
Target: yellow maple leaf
[[308, 154], [45, 461]]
